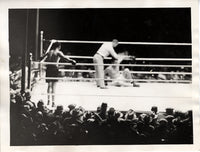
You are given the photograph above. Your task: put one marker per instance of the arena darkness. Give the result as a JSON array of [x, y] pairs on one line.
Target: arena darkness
[[130, 24]]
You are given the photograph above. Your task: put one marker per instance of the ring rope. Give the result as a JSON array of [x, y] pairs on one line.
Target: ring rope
[[138, 59], [47, 50], [142, 80], [136, 43], [134, 72], [71, 94], [130, 65]]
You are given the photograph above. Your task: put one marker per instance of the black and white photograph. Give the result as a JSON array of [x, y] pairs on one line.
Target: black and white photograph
[[102, 76]]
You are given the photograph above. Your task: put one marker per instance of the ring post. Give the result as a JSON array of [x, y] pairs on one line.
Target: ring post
[[36, 35], [29, 71], [24, 57], [41, 52], [23, 67], [41, 43]]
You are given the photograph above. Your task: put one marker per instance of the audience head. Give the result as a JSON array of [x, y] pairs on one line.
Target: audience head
[[130, 115], [27, 95], [169, 111], [26, 108], [39, 116], [118, 115], [147, 119], [169, 118], [43, 128], [98, 109], [154, 109], [30, 104], [88, 114], [40, 105], [189, 114], [111, 112], [59, 110], [179, 114], [19, 99], [104, 107], [71, 107], [76, 113], [163, 122]]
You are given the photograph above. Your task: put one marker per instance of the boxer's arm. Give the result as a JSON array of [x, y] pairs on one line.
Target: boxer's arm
[[121, 58], [61, 55]]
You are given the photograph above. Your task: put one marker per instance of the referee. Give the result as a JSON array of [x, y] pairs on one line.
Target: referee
[[105, 50]]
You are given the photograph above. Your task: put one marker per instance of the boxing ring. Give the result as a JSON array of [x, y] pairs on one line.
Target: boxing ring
[[163, 93], [87, 95]]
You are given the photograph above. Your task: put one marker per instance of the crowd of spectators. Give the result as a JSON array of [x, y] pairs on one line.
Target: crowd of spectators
[[35, 124]]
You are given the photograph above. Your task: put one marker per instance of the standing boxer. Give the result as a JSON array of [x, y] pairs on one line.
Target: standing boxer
[[54, 55]]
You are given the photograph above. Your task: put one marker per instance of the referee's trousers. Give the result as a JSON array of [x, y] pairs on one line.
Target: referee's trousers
[[99, 70]]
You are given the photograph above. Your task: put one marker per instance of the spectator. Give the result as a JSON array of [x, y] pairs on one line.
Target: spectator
[[32, 125]]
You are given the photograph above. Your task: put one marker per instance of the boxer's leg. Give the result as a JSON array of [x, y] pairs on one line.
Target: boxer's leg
[[127, 75], [49, 88], [53, 92]]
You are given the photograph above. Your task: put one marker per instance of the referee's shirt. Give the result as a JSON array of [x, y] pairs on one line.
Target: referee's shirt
[[107, 49]]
